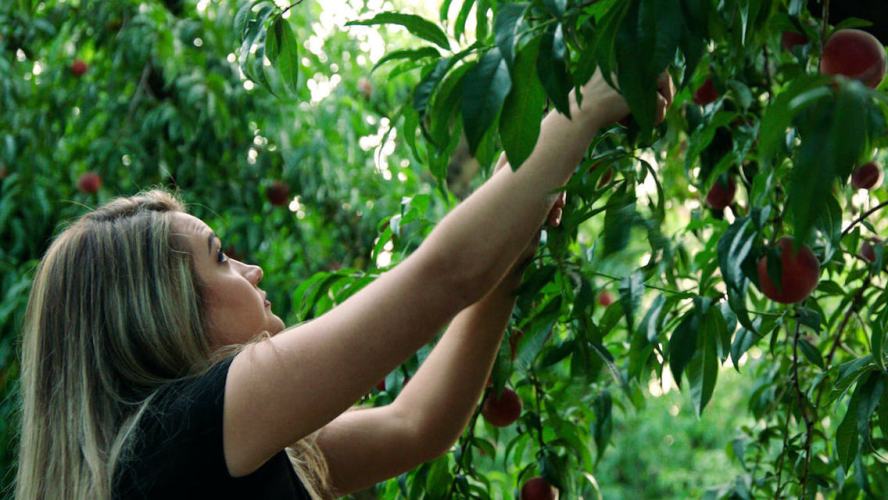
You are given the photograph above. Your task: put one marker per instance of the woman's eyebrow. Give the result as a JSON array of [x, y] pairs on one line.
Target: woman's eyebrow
[[210, 239]]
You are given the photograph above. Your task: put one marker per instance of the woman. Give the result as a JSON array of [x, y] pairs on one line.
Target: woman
[[153, 366]]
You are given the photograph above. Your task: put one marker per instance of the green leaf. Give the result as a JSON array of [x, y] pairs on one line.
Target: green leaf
[[618, 220], [519, 124], [863, 403], [459, 27], [416, 25], [734, 247], [645, 337], [485, 88], [778, 116], [683, 344], [445, 106], [555, 7], [703, 367], [877, 340], [552, 69], [408, 54], [631, 290], [286, 56], [744, 339], [833, 139], [645, 45], [603, 426], [505, 27], [811, 353], [427, 85]]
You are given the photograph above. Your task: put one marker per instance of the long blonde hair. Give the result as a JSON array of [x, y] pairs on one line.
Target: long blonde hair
[[116, 311]]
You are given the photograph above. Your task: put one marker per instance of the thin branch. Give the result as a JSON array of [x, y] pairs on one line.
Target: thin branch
[[782, 456], [864, 216], [856, 303], [463, 448], [294, 4], [803, 407]]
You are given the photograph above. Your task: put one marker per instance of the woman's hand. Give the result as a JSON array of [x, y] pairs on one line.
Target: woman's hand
[[610, 106]]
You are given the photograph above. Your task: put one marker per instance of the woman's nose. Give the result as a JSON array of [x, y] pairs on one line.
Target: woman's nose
[[255, 274]]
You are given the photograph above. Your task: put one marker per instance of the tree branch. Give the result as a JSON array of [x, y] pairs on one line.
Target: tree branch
[[803, 407], [864, 216]]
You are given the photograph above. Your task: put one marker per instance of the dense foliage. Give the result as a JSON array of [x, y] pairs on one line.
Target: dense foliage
[[684, 221]]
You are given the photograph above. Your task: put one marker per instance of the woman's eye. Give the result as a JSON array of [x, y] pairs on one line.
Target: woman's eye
[[221, 257]]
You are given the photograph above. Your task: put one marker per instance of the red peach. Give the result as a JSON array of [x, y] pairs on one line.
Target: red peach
[[867, 251], [799, 273], [278, 193], [706, 93], [866, 176], [720, 195], [78, 67], [538, 489], [502, 411], [855, 54], [89, 182], [789, 39]]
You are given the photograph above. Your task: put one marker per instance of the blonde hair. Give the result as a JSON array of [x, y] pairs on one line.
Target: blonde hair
[[116, 311]]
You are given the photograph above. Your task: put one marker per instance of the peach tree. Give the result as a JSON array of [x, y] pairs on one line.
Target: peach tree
[[743, 232]]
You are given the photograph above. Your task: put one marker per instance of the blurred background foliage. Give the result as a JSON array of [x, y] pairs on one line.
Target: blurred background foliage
[[164, 93]]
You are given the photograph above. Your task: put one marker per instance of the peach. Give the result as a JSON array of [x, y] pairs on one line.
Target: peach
[[866, 176], [799, 274], [721, 195], [538, 489], [502, 411], [855, 54]]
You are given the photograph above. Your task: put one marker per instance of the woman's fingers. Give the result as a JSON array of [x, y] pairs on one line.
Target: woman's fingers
[[554, 218], [662, 106], [666, 87]]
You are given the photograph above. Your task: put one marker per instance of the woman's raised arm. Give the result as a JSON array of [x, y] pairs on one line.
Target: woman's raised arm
[[280, 390]]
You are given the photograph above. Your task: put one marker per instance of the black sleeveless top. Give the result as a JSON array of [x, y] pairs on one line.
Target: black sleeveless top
[[180, 452]]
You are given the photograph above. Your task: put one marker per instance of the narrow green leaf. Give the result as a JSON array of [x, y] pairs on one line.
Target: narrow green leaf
[[703, 367], [416, 25], [833, 138], [485, 88], [408, 54], [288, 61], [618, 220], [645, 44], [683, 344], [519, 124], [631, 290], [505, 27], [459, 27], [555, 7], [811, 353], [552, 69], [643, 341]]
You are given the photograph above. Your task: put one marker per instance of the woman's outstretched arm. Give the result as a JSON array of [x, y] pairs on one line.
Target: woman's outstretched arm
[[291, 385]]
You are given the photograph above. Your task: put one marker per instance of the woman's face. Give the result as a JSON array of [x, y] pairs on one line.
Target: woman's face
[[237, 307]]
